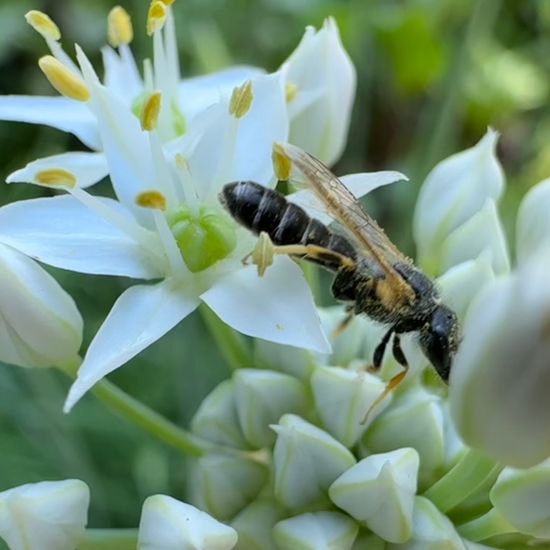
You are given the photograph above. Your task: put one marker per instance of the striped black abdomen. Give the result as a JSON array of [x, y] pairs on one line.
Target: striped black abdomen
[[261, 209]]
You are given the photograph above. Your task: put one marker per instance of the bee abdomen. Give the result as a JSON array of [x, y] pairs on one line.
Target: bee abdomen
[[261, 209]]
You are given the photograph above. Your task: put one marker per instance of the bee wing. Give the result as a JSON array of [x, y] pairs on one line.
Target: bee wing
[[342, 205]]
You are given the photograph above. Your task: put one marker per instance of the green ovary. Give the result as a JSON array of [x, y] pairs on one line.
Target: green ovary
[[203, 238]]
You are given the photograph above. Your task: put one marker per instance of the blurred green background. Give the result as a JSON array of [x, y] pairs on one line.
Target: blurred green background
[[432, 74]]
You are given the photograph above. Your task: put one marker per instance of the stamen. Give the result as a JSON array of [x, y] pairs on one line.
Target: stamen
[[150, 111], [63, 80], [56, 177], [168, 2], [156, 16], [151, 199], [43, 24], [291, 91], [189, 191], [119, 27], [282, 166], [241, 100]]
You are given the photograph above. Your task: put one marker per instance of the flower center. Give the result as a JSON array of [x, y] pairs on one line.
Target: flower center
[[203, 237]]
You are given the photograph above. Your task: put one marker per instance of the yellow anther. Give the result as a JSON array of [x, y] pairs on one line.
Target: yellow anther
[[181, 162], [63, 80], [119, 27], [151, 199], [43, 24], [241, 100], [290, 91], [56, 177], [168, 2], [282, 165], [150, 111], [156, 16]]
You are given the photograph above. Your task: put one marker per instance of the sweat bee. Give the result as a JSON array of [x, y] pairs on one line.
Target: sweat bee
[[371, 275]]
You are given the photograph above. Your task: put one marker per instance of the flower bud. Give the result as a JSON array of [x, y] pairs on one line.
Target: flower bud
[[223, 485], [321, 99], [342, 399], [167, 523], [415, 420], [216, 419], [317, 531], [522, 498], [453, 192], [533, 221], [255, 524], [431, 530], [50, 515], [379, 491], [294, 361], [262, 397], [499, 381], [43, 327], [299, 445], [368, 541]]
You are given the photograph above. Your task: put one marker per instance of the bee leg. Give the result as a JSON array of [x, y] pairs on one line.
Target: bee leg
[[398, 352], [345, 322], [378, 355]]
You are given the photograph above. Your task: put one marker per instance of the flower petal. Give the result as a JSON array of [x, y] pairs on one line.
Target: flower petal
[[121, 74], [277, 307], [359, 184], [140, 316], [62, 232], [58, 112], [88, 168]]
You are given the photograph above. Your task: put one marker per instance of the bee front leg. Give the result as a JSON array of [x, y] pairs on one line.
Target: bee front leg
[[398, 352], [378, 355]]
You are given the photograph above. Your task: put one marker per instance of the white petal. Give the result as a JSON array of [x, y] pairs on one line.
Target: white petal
[[198, 93], [277, 307], [50, 515], [88, 168], [59, 112], [62, 232], [359, 184], [121, 74], [39, 322], [140, 316]]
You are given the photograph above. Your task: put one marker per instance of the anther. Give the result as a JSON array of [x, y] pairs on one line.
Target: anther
[[282, 165], [151, 199], [43, 24], [119, 27], [290, 91], [150, 111], [156, 16], [56, 177], [63, 80], [241, 100], [168, 2]]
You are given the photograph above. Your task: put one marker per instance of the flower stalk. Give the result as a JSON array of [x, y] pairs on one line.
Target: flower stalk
[[109, 539]]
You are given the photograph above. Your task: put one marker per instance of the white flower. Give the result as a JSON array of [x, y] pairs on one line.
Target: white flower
[[498, 386], [40, 325], [320, 83], [454, 191], [50, 515], [168, 524]]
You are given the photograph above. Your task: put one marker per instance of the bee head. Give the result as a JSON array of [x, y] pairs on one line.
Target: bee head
[[439, 339]]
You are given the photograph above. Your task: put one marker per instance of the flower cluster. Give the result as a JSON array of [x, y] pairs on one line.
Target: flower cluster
[[302, 448]]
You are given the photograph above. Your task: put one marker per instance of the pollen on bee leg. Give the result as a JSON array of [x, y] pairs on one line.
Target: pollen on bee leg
[[43, 24], [63, 80], [150, 111], [56, 177], [151, 199], [119, 27], [262, 255], [156, 16]]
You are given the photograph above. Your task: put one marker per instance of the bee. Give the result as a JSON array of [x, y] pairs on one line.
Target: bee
[[371, 275]]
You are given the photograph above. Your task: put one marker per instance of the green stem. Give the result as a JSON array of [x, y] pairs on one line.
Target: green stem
[[229, 342], [462, 480], [109, 539], [486, 526]]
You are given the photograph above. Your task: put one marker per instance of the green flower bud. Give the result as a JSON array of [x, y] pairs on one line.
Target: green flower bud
[[262, 397], [223, 485], [294, 361], [255, 525], [522, 498], [317, 531], [216, 419], [342, 399], [368, 541], [431, 530], [306, 461], [415, 420], [379, 492], [50, 515], [167, 523]]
